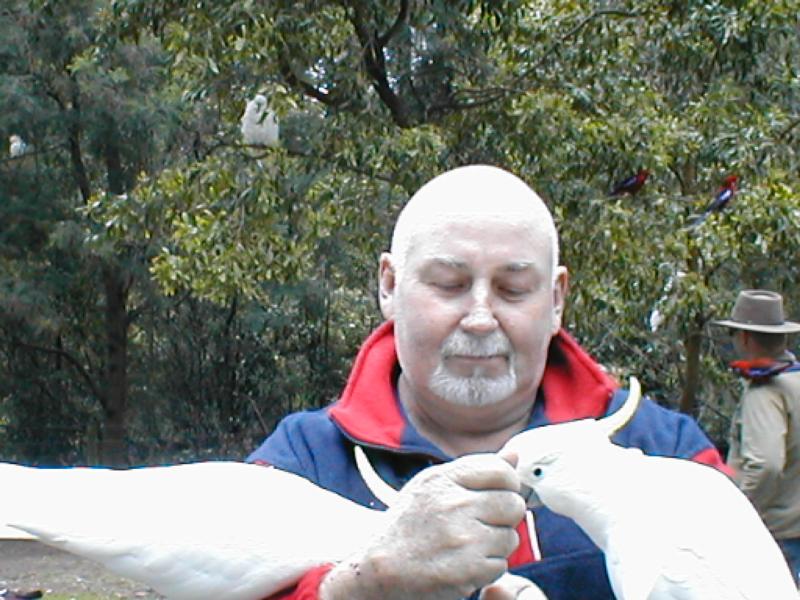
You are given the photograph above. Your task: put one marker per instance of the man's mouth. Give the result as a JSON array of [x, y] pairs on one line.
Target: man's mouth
[[491, 365], [477, 357]]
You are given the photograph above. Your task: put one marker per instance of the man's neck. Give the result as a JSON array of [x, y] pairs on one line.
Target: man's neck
[[460, 430]]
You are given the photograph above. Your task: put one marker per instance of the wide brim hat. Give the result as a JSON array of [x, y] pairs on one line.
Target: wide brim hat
[[759, 310]]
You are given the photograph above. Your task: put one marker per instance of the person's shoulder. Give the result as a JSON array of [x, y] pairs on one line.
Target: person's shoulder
[[660, 430], [299, 438], [771, 392], [305, 419]]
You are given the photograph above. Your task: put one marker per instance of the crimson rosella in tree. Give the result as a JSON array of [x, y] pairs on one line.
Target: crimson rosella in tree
[[632, 184], [721, 200], [724, 194]]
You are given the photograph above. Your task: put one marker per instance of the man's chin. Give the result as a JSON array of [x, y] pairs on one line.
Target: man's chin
[[474, 391]]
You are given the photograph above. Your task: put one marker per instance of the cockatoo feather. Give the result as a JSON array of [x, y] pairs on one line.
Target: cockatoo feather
[[215, 529]]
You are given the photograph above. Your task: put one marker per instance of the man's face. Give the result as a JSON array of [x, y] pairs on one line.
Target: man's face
[[739, 343], [475, 307]]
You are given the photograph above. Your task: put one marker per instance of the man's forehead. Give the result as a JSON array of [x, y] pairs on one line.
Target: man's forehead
[[489, 231], [466, 245], [459, 264], [481, 203]]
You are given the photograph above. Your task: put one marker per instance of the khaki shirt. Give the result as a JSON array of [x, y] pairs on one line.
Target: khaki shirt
[[765, 451]]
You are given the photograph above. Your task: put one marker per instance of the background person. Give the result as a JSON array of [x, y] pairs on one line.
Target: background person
[[765, 431]]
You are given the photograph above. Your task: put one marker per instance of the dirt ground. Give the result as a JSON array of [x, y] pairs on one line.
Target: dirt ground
[[29, 565]]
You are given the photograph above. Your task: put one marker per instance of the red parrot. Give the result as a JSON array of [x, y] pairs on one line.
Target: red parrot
[[632, 184], [724, 194], [721, 200]]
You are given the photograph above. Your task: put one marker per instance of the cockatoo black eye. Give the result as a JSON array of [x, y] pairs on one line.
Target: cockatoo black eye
[[537, 472]]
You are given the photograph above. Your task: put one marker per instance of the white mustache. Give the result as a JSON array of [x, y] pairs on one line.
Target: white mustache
[[465, 344]]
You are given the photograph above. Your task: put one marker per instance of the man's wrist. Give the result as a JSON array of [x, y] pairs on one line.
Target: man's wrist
[[340, 582], [353, 579]]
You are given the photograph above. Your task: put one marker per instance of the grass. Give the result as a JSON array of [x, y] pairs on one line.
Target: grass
[[75, 597], [84, 596]]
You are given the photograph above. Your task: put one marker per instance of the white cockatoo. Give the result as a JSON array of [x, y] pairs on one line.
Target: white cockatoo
[[671, 529], [203, 530], [16, 146], [259, 125], [655, 320]]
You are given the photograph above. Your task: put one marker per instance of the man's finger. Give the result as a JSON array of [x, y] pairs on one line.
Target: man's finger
[[485, 472]]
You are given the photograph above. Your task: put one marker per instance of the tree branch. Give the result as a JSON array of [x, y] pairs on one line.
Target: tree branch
[[70, 359], [31, 153], [788, 129], [327, 98], [375, 61], [402, 18], [462, 98], [329, 158]]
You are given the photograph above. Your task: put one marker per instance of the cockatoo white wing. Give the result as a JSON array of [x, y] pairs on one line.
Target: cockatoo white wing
[[671, 529], [632, 573], [238, 531], [716, 545]]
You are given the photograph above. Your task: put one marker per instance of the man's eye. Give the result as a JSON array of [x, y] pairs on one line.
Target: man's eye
[[449, 286], [513, 292]]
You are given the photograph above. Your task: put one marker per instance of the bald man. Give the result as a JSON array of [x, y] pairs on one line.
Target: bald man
[[471, 353]]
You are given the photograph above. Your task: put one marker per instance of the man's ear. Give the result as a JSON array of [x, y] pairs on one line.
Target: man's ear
[[560, 289], [386, 283]]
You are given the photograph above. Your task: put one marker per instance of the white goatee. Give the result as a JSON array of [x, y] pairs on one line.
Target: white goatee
[[478, 389]]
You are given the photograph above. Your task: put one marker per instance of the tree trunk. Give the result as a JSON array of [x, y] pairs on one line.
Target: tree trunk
[[116, 283], [76, 156], [113, 445], [692, 343]]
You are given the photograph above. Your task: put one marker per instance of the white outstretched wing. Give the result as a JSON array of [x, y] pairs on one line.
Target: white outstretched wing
[[236, 530]]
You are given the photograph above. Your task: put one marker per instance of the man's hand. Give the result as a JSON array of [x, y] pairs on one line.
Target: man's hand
[[450, 531]]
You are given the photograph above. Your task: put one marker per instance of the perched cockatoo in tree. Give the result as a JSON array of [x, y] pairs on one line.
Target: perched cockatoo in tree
[[632, 184], [671, 529], [259, 124], [16, 146]]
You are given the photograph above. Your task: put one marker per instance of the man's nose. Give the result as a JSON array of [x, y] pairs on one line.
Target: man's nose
[[480, 318]]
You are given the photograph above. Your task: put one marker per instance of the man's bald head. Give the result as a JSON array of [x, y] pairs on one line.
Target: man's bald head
[[478, 193]]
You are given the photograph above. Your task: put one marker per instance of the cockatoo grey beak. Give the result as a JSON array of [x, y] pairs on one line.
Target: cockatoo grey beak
[[530, 496]]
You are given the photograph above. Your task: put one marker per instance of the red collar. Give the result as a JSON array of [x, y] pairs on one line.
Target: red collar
[[574, 387]]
